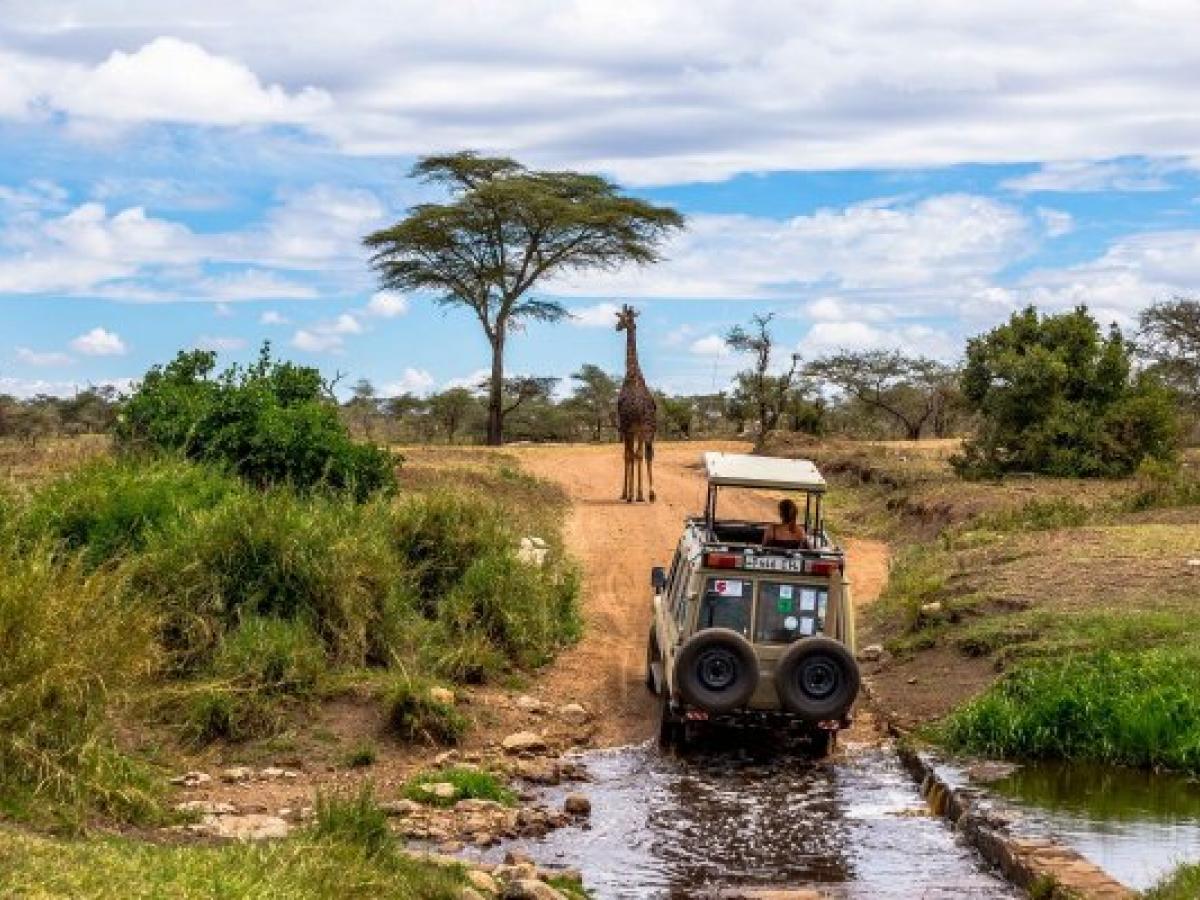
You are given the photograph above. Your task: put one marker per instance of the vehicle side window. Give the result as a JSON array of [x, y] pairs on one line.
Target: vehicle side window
[[726, 604], [788, 611], [680, 597]]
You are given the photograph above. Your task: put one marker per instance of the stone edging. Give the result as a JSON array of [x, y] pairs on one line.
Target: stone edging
[[1030, 862]]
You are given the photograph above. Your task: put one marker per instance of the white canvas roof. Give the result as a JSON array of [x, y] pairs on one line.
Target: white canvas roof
[[743, 470]]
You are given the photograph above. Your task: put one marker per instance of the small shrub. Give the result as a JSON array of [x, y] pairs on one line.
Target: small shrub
[[1161, 484], [218, 711], [525, 611], [272, 422], [469, 784], [413, 715], [1037, 515], [276, 655], [71, 646], [1181, 884], [362, 756], [1125, 708], [355, 820], [109, 508]]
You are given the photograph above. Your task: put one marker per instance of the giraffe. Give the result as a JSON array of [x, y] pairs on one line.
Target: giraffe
[[637, 413]]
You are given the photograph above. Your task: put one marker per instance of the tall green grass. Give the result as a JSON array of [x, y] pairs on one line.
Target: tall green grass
[[73, 645], [1181, 884], [1136, 708]]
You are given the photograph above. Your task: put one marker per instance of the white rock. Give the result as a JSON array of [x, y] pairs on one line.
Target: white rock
[[237, 774], [575, 713], [192, 779], [206, 807], [524, 742], [400, 807], [251, 827], [871, 653], [530, 704], [443, 790], [483, 882]]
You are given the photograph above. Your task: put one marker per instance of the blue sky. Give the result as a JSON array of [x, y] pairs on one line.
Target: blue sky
[[901, 178]]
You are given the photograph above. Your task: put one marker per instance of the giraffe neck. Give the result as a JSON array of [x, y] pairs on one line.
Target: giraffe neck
[[632, 369]]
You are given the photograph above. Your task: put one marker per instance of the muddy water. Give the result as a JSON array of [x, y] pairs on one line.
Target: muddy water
[[665, 826], [1136, 825]]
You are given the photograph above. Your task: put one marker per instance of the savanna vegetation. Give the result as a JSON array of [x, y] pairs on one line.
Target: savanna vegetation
[[234, 561]]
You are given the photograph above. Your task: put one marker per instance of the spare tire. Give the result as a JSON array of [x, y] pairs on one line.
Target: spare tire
[[817, 678], [716, 670]]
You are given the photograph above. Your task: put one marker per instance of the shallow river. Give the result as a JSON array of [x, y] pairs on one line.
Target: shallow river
[[664, 826]]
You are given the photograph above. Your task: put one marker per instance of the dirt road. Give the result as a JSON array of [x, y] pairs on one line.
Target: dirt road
[[617, 543]]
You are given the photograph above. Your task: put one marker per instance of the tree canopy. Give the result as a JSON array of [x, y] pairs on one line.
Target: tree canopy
[[504, 228], [1055, 395]]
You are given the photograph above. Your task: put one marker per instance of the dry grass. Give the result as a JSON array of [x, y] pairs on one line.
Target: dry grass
[[24, 465]]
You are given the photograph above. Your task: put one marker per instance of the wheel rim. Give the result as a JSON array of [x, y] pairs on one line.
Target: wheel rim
[[819, 677], [717, 669]]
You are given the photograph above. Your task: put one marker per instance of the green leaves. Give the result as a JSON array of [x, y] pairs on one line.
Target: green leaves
[[1057, 397]]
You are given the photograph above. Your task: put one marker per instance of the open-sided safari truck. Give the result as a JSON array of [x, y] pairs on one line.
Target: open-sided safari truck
[[748, 632]]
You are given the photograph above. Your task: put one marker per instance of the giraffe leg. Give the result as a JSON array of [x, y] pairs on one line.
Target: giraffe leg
[[628, 492], [650, 466], [638, 464]]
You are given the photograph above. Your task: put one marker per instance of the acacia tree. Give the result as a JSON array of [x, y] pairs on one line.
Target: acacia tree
[[911, 390], [767, 394], [1169, 339], [504, 228], [596, 397]]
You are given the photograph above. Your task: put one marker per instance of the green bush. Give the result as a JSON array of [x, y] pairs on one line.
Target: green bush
[[1036, 515], [276, 655], [414, 716], [526, 612], [469, 784], [205, 712], [1181, 884], [355, 820], [72, 646], [1055, 396], [273, 422], [110, 508], [273, 554], [1128, 708]]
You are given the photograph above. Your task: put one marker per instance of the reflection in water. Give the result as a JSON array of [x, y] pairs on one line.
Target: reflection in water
[[665, 826], [1135, 824]]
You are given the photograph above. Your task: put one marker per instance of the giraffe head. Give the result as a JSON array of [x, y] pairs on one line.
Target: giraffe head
[[626, 318]]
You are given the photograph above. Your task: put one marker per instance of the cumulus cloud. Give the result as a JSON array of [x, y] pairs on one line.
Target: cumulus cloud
[[676, 90], [827, 337], [711, 345], [386, 305], [600, 315], [1055, 222], [329, 336], [1086, 176], [413, 381], [100, 342], [271, 317], [471, 381], [43, 359]]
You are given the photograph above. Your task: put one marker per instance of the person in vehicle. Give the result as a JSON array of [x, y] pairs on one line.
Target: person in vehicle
[[788, 532]]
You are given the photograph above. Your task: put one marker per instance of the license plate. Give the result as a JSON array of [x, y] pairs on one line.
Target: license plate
[[774, 564]]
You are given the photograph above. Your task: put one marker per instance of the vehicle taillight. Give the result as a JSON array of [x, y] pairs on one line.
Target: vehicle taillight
[[823, 566], [722, 560]]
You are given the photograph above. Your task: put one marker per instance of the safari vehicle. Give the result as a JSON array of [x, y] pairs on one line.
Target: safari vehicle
[[747, 632]]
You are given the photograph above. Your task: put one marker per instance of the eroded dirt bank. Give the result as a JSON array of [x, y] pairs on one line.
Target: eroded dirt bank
[[617, 543]]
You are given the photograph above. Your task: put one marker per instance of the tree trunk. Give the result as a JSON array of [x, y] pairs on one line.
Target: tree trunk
[[495, 425], [913, 430]]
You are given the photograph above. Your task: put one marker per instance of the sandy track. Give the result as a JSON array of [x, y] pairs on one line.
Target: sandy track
[[617, 544]]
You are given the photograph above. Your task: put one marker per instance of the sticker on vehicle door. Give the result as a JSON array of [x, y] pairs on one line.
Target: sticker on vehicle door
[[731, 588]]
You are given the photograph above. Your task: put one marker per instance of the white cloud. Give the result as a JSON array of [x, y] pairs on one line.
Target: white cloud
[[711, 345], [317, 341], [677, 336], [827, 337], [387, 305], [221, 344], [599, 315], [471, 381], [100, 342], [172, 80], [1055, 222], [670, 91], [1083, 176], [271, 317], [223, 310], [413, 381], [252, 284], [47, 359], [930, 246]]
